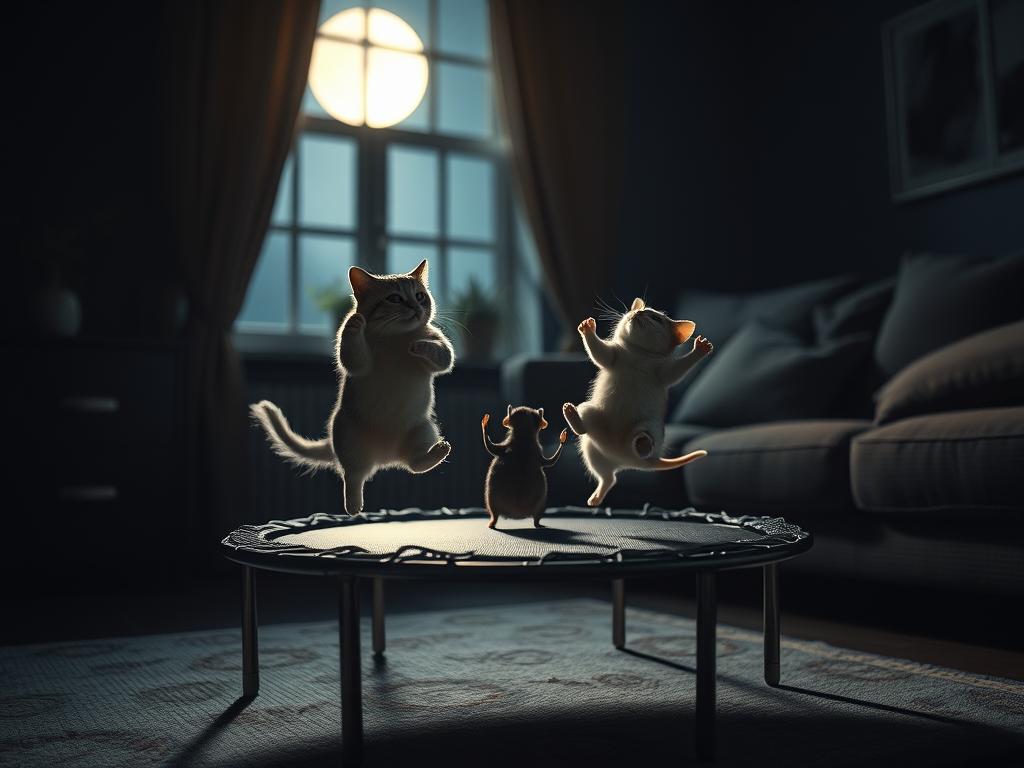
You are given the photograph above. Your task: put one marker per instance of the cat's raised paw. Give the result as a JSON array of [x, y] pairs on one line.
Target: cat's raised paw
[[422, 348], [572, 418], [587, 326], [355, 324], [485, 420]]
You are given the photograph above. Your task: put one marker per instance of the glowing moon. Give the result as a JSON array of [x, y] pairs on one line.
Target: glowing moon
[[368, 68]]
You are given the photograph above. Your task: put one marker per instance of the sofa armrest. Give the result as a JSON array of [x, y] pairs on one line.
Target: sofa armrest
[[547, 381]]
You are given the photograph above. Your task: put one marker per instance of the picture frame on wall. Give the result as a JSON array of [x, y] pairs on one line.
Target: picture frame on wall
[[954, 77]]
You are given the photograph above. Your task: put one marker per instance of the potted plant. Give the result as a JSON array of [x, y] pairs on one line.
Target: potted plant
[[335, 299], [480, 314]]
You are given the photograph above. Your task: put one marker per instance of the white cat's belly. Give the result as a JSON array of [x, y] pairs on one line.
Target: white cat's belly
[[621, 407]]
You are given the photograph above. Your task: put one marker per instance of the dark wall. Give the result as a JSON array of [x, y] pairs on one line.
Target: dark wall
[[821, 174], [86, 83], [688, 157], [758, 152]]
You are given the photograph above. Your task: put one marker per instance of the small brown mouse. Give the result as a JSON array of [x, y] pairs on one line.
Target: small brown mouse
[[516, 486]]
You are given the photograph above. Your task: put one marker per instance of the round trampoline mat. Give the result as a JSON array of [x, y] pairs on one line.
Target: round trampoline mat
[[570, 539]]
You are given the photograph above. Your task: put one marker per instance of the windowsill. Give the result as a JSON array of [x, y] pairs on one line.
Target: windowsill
[[270, 349], [273, 346]]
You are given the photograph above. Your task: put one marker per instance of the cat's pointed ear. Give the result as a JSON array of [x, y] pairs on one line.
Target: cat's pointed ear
[[508, 416], [421, 272], [638, 303], [543, 421], [360, 279], [684, 329]]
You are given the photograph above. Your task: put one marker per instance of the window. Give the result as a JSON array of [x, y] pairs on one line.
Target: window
[[433, 185]]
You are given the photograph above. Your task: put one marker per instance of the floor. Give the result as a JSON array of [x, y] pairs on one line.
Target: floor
[[506, 685], [957, 633]]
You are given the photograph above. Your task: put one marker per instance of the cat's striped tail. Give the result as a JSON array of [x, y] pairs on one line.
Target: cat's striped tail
[[314, 454], [678, 461]]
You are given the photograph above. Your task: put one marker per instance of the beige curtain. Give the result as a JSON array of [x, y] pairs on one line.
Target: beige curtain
[[237, 71], [561, 72]]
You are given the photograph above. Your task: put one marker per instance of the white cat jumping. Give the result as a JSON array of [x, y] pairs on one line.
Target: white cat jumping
[[622, 425], [388, 354]]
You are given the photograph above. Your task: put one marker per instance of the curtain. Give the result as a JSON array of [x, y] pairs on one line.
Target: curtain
[[237, 71], [561, 73]]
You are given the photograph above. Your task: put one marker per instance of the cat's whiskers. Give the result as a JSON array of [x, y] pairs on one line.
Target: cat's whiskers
[[444, 318], [608, 310]]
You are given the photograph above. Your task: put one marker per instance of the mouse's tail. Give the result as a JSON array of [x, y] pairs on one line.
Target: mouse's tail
[[314, 454], [678, 461]]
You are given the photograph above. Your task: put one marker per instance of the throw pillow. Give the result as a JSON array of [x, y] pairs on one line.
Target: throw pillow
[[943, 298], [719, 315], [770, 374], [857, 312], [982, 371]]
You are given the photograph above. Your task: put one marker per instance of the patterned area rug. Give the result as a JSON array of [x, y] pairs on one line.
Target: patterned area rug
[[520, 685]]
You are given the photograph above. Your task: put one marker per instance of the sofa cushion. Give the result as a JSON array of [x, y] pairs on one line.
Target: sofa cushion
[[774, 467], [768, 374], [860, 311], [943, 298], [982, 371], [678, 435], [961, 460], [720, 315]]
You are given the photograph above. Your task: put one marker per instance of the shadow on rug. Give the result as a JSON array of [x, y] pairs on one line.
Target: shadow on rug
[[520, 685]]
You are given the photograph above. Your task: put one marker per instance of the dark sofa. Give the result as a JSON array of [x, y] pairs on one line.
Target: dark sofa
[[887, 417]]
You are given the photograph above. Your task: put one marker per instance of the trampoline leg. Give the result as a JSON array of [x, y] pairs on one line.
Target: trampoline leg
[[619, 613], [250, 635], [378, 617], [772, 667], [351, 672], [707, 610]]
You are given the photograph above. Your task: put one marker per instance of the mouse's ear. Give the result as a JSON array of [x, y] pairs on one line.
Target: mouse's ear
[[508, 415], [543, 421], [683, 329]]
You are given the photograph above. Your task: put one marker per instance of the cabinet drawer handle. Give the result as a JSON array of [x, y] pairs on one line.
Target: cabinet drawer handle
[[88, 493], [91, 404]]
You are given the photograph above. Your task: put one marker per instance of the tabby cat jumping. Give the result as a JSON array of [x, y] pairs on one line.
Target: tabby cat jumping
[[388, 353], [622, 426]]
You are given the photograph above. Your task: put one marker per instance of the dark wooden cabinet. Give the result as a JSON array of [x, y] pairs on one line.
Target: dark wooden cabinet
[[97, 466]]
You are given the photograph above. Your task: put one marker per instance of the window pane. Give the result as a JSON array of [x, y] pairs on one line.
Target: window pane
[[283, 205], [329, 8], [327, 181], [464, 28], [323, 266], [419, 120], [336, 79], [527, 321], [470, 198], [311, 106], [465, 264], [396, 83], [403, 257], [412, 190], [266, 302], [465, 100], [415, 13]]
